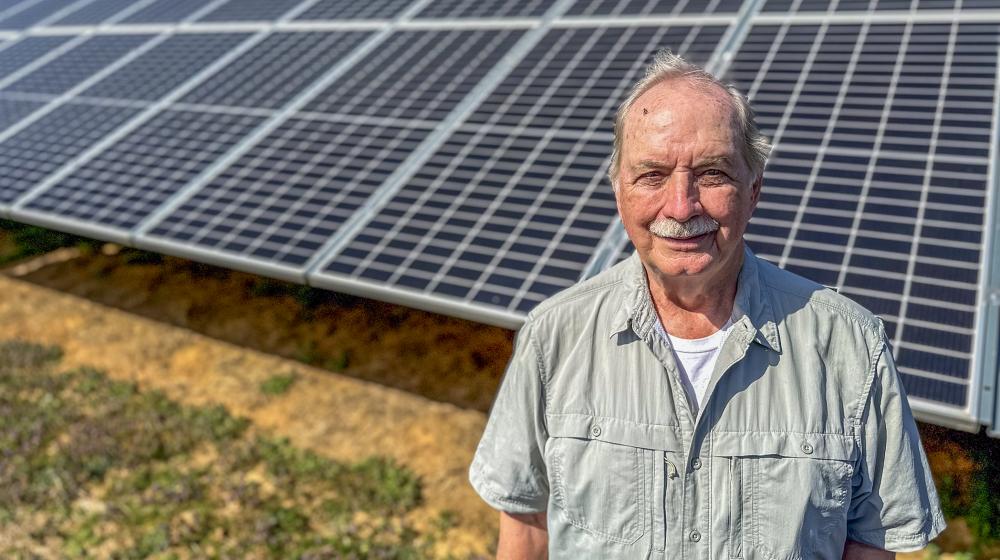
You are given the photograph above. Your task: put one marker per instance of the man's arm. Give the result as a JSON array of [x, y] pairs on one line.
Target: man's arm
[[523, 536], [857, 551]]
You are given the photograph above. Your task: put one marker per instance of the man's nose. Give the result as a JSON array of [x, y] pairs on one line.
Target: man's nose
[[681, 195]]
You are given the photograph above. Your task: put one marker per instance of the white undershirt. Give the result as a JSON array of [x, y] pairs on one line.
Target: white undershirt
[[696, 359]]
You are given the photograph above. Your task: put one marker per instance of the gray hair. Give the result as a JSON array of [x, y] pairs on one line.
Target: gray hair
[[666, 65]]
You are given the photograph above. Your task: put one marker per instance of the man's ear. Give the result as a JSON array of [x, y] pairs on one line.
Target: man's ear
[[755, 191]]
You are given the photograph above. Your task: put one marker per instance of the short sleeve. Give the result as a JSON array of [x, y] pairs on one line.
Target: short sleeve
[[894, 505], [508, 470]]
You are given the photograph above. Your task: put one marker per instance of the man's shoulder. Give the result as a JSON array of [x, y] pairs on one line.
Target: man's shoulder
[[792, 291]]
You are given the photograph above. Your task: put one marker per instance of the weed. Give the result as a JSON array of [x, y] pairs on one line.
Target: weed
[[137, 257], [278, 384], [268, 287], [339, 362]]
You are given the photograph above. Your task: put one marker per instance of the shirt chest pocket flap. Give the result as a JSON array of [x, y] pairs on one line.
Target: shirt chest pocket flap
[[788, 493], [602, 470]]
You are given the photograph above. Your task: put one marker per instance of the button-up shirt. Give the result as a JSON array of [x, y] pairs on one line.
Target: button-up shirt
[[804, 440]]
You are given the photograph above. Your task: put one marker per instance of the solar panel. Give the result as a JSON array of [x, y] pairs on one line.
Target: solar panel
[[351, 9], [416, 74], [290, 193], [496, 218], [133, 177], [165, 66], [508, 210], [77, 64], [32, 154], [276, 69], [885, 198]]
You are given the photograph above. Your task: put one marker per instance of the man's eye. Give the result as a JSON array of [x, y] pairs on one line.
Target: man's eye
[[650, 177]]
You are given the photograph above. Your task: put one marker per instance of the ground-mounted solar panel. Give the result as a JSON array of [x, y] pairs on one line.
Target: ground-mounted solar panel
[[166, 66], [508, 210], [93, 13], [418, 75], [126, 182], [269, 74], [351, 9], [576, 76], [497, 219], [250, 10], [13, 110], [165, 11], [25, 14], [19, 54], [878, 182], [31, 155], [653, 7], [291, 192], [484, 8], [77, 64], [875, 6]]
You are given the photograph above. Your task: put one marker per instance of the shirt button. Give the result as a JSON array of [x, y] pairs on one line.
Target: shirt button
[[696, 464], [595, 431], [807, 449], [695, 536]]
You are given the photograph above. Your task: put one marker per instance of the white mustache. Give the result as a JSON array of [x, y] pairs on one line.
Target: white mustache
[[669, 227]]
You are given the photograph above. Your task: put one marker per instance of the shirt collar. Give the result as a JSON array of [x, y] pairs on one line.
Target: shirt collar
[[752, 305]]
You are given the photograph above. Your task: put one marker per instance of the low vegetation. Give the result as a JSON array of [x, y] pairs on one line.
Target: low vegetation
[[91, 467]]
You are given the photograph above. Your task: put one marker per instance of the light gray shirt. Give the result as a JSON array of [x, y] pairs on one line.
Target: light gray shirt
[[804, 440]]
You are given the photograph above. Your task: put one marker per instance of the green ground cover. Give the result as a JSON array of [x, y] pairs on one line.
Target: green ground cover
[[95, 468]]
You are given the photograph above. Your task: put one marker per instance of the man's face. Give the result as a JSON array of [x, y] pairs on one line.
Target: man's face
[[683, 176]]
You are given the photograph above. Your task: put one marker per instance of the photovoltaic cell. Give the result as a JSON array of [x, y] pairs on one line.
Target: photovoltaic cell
[[94, 12], [416, 74], [291, 192], [25, 51], [37, 151], [500, 219], [13, 110], [652, 7], [484, 8], [250, 10], [166, 66], [884, 199], [165, 11], [352, 9], [272, 72], [575, 77], [77, 64], [130, 179]]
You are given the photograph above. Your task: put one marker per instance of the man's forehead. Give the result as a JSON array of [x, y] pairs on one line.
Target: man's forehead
[[670, 101]]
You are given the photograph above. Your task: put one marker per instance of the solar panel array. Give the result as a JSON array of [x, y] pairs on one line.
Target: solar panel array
[[451, 154]]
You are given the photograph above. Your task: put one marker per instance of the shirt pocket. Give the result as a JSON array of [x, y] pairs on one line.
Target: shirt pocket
[[600, 477], [788, 494]]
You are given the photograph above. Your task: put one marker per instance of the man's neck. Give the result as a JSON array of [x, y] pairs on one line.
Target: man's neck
[[690, 307]]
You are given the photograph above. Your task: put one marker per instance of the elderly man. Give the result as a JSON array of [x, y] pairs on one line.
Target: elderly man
[[695, 401]]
